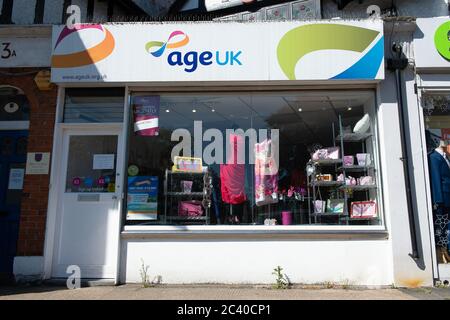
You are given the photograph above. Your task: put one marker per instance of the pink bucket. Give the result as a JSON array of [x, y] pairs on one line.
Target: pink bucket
[[286, 218]]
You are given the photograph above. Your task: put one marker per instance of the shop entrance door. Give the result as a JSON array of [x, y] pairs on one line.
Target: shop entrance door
[[13, 148], [89, 203]]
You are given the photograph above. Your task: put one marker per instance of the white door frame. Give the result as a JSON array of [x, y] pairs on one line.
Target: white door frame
[[54, 186], [58, 183]]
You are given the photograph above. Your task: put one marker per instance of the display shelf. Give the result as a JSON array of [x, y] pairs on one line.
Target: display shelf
[[326, 183], [353, 137], [184, 172], [329, 214], [195, 194], [360, 188], [327, 162], [360, 219], [182, 218], [173, 197], [356, 168]]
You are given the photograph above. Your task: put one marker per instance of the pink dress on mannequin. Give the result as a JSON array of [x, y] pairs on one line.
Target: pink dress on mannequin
[[232, 175]]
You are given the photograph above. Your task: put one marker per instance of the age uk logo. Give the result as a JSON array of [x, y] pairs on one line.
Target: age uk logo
[[191, 60], [86, 56]]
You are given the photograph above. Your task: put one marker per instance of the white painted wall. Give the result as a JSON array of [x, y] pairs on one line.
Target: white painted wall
[[252, 262], [27, 269], [23, 11], [406, 271]]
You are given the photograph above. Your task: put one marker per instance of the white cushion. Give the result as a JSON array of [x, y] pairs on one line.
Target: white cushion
[[362, 125]]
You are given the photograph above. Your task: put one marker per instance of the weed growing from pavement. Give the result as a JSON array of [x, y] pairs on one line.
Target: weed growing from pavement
[[145, 280], [145, 277], [281, 281]]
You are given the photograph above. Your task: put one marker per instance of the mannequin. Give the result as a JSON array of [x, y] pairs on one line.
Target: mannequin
[[232, 180], [439, 160]]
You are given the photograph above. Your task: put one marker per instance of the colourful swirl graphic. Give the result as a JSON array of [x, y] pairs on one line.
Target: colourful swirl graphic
[[85, 57], [300, 41], [163, 45]]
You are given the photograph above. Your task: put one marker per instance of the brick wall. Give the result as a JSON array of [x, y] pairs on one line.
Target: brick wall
[[40, 139]]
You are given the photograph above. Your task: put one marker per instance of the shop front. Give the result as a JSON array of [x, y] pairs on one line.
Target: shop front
[[215, 159], [433, 81]]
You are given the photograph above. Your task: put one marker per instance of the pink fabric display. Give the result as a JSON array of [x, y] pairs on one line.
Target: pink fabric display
[[348, 161], [266, 173], [192, 208], [232, 174], [331, 153], [366, 181], [363, 209]]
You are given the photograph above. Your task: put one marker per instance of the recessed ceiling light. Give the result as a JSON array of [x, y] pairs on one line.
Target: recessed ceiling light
[[349, 108], [193, 110], [300, 109], [213, 110], [167, 110]]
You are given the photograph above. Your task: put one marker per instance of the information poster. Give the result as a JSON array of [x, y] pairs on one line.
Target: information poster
[[146, 115], [103, 162], [16, 179], [38, 162], [142, 198]]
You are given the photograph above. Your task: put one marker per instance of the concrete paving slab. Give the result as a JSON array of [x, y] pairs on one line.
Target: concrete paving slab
[[189, 292]]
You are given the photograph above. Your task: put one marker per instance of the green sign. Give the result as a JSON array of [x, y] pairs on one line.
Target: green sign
[[442, 40]]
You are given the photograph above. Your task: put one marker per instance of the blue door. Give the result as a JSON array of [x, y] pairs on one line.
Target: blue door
[[13, 150]]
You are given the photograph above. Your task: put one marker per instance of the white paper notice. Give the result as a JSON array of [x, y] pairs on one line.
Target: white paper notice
[[16, 179], [103, 161]]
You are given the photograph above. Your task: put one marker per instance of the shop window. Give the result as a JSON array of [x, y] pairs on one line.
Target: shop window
[[99, 105], [302, 158], [13, 105], [436, 108]]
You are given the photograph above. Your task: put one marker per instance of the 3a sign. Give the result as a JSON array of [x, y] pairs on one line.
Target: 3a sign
[[7, 51]]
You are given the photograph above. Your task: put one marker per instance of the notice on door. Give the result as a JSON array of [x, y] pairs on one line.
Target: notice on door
[[38, 162], [16, 179], [103, 162]]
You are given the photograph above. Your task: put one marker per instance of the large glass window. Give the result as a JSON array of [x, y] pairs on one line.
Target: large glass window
[[253, 159], [436, 108]]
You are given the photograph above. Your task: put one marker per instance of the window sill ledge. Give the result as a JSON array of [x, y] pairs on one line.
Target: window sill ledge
[[256, 232]]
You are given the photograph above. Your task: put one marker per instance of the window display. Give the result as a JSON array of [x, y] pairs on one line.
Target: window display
[[436, 109], [257, 159]]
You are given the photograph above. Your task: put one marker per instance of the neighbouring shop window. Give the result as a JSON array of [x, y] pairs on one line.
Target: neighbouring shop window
[[99, 105], [14, 105], [91, 165], [436, 108], [253, 159]]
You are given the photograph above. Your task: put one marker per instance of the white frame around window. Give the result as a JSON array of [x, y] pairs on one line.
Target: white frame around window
[[323, 231]]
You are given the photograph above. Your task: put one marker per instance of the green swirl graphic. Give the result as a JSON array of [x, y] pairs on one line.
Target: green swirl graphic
[[300, 41]]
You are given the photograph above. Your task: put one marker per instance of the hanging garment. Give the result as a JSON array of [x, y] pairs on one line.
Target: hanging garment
[[232, 174], [266, 172], [440, 194], [440, 178]]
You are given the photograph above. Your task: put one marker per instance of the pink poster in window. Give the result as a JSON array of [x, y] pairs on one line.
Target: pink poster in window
[[146, 115]]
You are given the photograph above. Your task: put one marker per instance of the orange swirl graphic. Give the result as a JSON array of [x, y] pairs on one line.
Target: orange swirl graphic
[[89, 56]]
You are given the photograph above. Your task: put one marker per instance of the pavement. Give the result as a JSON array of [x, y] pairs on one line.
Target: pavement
[[216, 292]]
